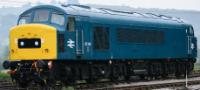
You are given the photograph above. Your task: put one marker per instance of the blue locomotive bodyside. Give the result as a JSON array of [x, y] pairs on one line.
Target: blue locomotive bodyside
[[101, 34]]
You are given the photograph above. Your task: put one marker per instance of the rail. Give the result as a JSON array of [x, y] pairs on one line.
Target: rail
[[171, 82]]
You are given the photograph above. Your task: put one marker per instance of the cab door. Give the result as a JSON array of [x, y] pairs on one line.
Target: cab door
[[192, 43], [77, 38], [70, 39]]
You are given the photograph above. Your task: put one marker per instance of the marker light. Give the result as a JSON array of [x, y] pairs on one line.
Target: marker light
[[50, 65]]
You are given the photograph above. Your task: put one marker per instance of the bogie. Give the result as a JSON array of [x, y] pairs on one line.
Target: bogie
[[71, 73]]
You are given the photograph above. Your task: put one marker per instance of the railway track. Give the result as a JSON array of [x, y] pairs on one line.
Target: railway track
[[171, 82], [158, 84], [194, 79], [6, 84], [144, 85]]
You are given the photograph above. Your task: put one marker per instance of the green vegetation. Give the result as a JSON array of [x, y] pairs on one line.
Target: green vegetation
[[68, 88], [197, 66], [4, 75]]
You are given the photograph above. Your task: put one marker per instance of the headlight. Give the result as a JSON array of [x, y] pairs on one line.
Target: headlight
[[36, 43], [21, 43]]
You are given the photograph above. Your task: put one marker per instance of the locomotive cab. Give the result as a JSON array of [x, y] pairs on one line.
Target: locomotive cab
[[35, 37], [66, 33]]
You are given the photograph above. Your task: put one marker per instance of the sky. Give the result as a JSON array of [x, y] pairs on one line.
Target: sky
[[162, 4]]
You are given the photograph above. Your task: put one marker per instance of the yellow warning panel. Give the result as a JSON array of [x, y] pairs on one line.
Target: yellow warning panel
[[29, 32]]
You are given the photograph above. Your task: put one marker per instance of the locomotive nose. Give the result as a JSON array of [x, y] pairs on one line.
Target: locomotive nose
[[33, 42]]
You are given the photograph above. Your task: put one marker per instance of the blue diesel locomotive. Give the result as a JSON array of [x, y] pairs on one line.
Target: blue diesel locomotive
[[75, 42]]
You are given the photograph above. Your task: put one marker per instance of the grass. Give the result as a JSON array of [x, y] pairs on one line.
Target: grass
[[197, 66], [68, 88], [4, 75]]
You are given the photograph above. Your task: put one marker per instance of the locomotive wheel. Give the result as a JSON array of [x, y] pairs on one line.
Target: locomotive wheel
[[178, 70], [22, 83], [178, 75], [142, 77], [164, 76], [127, 77], [91, 78], [115, 76]]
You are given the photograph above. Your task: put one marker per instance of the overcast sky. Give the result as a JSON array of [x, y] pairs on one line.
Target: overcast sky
[[162, 4]]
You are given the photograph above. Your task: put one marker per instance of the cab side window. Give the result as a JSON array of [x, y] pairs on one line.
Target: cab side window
[[71, 24]]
